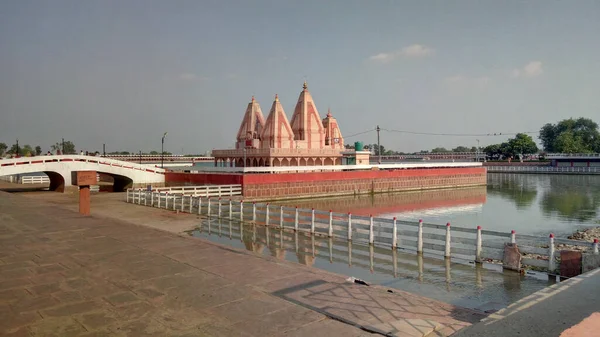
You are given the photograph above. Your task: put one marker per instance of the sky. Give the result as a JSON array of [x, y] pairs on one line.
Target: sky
[[122, 73]]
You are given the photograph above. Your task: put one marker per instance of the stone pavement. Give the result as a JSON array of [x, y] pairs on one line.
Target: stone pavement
[[62, 274]]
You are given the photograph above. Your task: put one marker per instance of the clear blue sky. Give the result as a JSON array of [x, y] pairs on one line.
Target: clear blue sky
[[123, 72]]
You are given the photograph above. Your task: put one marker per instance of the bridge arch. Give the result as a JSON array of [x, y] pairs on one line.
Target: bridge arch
[[60, 168]]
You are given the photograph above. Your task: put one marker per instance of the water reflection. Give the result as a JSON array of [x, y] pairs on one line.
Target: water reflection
[[573, 197], [515, 188], [453, 281], [528, 203]]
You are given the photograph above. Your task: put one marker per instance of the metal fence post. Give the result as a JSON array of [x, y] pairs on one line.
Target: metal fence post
[[349, 226], [267, 216], [174, 201], [420, 237], [281, 218], [159, 197], [166, 200], [312, 221], [296, 220], [371, 234], [230, 210], [330, 223], [145, 198], [551, 252], [395, 235], [478, 246], [219, 212], [447, 251]]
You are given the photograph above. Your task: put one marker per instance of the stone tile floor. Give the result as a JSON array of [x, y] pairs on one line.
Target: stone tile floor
[[62, 274]]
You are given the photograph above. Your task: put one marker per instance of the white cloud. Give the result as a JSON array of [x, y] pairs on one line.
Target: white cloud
[[413, 51], [531, 69]]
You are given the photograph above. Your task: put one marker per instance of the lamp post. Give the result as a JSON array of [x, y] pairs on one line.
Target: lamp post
[[477, 150], [63, 146], [378, 146], [162, 150], [17, 155]]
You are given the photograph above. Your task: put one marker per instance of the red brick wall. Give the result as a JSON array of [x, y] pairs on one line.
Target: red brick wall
[[197, 179], [298, 185]]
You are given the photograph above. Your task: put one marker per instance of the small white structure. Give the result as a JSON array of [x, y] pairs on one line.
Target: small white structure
[[60, 168]]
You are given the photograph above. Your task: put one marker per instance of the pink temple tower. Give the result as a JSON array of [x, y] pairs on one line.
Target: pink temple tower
[[333, 135], [277, 133], [248, 135], [306, 122]]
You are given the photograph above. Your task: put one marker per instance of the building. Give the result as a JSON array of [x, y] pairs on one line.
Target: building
[[307, 140]]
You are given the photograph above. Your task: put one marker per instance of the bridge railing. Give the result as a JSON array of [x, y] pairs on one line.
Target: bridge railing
[[444, 241], [545, 169], [205, 191], [77, 158], [34, 180]]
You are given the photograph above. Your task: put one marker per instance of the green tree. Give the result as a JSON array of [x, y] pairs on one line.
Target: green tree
[[461, 149], [3, 148], [571, 135], [493, 151], [439, 150], [69, 147], [154, 153], [522, 144], [38, 150]]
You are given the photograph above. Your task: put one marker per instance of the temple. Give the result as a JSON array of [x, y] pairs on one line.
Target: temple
[[307, 140]]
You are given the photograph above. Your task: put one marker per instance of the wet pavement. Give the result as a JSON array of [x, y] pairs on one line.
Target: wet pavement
[[484, 287]]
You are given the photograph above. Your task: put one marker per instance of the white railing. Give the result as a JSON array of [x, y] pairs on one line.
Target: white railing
[[204, 191], [545, 169], [35, 180], [439, 240], [80, 159], [572, 155], [327, 168]]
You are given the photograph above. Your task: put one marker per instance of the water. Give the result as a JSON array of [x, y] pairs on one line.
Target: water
[[468, 285], [528, 203]]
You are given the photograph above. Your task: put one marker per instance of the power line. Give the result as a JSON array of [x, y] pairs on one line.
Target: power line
[[495, 134]]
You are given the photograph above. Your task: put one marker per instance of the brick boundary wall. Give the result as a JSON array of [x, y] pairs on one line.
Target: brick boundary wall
[[327, 184]]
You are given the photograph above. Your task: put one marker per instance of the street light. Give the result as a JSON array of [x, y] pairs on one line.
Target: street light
[[162, 150], [477, 150]]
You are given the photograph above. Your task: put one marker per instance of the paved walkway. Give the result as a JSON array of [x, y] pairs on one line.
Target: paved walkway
[[62, 274], [567, 309]]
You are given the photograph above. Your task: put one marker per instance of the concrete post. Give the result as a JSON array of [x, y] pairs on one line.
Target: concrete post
[[145, 198], [330, 223], [596, 246], [191, 204], [267, 216], [152, 199], [420, 237], [253, 211], [166, 200], [208, 206], [395, 235], [371, 237], [447, 251], [350, 253], [182, 202], [349, 226], [312, 222], [139, 196], [296, 221], [199, 205], [281, 218], [159, 198], [174, 202], [241, 210], [230, 210], [127, 195], [551, 252], [219, 211], [513, 236], [478, 246]]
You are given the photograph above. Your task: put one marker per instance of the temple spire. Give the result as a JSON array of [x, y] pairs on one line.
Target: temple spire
[[305, 86]]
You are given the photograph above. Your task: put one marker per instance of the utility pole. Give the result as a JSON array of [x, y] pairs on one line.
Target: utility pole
[[104, 150], [477, 151], [378, 145], [140, 157], [162, 150], [17, 155]]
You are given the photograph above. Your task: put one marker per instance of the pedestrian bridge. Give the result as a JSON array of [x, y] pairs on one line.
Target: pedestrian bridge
[[60, 168]]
